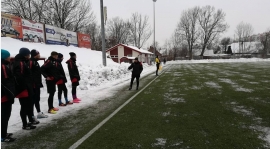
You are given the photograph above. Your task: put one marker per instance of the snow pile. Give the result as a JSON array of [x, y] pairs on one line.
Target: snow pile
[[89, 62], [84, 56]]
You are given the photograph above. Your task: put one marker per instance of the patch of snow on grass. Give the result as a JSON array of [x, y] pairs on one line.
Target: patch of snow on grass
[[160, 142], [166, 114], [241, 89], [253, 82], [211, 74], [265, 130], [266, 134], [248, 76], [194, 87], [242, 110], [212, 85], [177, 100], [226, 81]]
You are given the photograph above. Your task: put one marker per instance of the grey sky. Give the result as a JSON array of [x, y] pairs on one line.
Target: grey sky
[[255, 12]]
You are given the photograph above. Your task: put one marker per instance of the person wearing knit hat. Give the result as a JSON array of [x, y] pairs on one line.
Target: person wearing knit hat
[[60, 56], [25, 52], [54, 54], [72, 54], [50, 71], [24, 88], [74, 76], [7, 95], [5, 55], [35, 54], [61, 85], [137, 69], [37, 82]]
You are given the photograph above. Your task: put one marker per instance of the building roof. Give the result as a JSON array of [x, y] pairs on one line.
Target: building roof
[[131, 47], [156, 51]]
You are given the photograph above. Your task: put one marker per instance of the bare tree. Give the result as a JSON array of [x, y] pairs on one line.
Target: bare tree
[[175, 42], [243, 32], [188, 27], [212, 23], [118, 31], [225, 42], [95, 34], [167, 47], [139, 29], [72, 15], [40, 8], [21, 8], [82, 16]]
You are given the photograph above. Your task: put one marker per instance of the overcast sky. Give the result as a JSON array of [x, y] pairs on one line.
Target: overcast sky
[[168, 12]]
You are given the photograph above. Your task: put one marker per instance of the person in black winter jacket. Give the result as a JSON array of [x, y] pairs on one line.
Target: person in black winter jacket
[[52, 74], [74, 76], [137, 69], [62, 84], [7, 95], [37, 81], [24, 88]]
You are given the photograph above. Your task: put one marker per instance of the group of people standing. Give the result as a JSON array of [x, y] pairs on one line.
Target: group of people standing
[[22, 79]]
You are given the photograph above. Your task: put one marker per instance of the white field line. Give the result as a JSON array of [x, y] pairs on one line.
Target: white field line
[[80, 141]]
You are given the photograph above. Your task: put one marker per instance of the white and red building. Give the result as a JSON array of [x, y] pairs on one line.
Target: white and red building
[[125, 53]]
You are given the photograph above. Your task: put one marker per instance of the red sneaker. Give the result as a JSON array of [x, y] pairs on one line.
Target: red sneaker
[[76, 101], [55, 109]]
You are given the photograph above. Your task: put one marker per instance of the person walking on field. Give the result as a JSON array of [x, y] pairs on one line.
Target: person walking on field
[[74, 76], [37, 81], [24, 88], [137, 69], [7, 95], [52, 74], [157, 64], [62, 84]]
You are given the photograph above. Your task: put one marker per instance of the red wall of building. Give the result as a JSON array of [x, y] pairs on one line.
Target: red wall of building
[[127, 51], [115, 60], [114, 51]]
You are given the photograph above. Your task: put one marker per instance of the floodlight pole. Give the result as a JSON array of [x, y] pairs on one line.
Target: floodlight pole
[[154, 32], [102, 33]]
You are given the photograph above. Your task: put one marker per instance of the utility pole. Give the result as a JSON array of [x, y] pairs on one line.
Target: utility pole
[[102, 33]]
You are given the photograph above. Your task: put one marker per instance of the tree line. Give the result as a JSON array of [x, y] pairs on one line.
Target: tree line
[[202, 27]]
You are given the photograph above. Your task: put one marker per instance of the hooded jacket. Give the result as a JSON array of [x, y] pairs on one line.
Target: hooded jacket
[[73, 70], [36, 72], [50, 69], [23, 76], [137, 68], [7, 83], [61, 69]]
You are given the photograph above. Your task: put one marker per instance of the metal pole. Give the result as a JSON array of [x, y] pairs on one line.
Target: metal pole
[[102, 33], [154, 32]]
